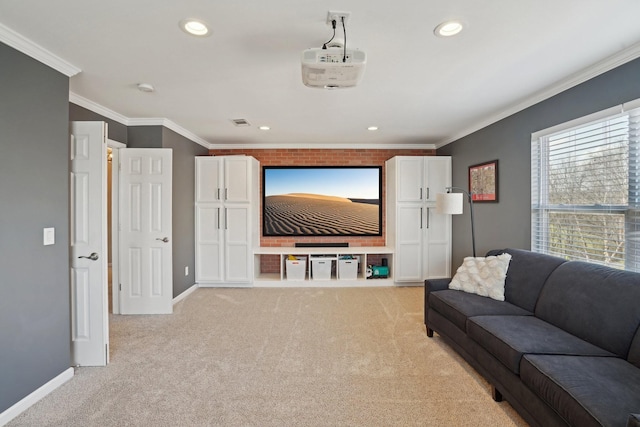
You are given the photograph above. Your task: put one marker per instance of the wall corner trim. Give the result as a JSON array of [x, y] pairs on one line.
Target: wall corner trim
[[37, 52], [35, 396]]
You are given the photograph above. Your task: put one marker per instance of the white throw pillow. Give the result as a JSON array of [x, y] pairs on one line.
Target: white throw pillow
[[482, 276]]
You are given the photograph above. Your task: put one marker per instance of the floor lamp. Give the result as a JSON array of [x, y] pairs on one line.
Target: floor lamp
[[450, 203]]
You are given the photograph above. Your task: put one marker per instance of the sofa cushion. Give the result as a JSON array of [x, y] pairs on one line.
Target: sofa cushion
[[482, 276], [457, 306], [508, 338], [585, 391], [527, 273], [596, 303]]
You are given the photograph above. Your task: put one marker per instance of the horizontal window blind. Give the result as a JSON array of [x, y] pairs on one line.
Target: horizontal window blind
[[586, 193]]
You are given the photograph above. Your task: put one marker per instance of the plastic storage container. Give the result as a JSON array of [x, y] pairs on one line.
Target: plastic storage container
[[296, 269], [321, 268], [348, 269]]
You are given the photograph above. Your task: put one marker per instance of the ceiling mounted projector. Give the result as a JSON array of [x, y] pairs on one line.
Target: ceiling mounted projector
[[332, 68]]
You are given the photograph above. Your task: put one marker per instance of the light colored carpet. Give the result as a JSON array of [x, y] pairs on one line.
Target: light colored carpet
[[277, 357]]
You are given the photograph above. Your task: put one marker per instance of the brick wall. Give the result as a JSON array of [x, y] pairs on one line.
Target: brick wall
[[329, 157]]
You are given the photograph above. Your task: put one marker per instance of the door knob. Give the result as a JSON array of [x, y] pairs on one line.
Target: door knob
[[164, 239], [93, 257]]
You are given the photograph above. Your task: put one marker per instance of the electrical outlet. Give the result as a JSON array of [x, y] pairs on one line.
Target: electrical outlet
[[186, 270], [337, 16]]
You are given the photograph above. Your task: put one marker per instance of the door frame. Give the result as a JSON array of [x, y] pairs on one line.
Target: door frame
[[115, 221]]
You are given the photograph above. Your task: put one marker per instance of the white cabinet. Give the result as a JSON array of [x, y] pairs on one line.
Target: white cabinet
[[420, 237], [227, 219]]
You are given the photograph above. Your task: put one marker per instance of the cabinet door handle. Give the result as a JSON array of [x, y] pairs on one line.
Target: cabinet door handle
[[218, 194], [428, 218], [218, 218], [225, 219], [421, 212], [226, 194], [427, 195], [420, 193]]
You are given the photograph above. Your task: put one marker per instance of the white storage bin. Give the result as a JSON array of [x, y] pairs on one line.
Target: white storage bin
[[348, 269], [321, 268], [297, 268]]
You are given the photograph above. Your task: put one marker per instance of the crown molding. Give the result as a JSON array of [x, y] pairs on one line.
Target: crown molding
[[334, 146], [601, 67], [97, 108], [37, 52], [187, 134], [146, 121], [154, 121], [157, 121]]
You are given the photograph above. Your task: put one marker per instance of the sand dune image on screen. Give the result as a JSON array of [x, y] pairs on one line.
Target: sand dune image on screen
[[316, 214]]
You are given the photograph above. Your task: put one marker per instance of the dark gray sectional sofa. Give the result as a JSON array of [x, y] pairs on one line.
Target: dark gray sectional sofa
[[564, 346]]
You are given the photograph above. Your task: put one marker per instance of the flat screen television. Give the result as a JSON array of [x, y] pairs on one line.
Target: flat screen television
[[322, 201]]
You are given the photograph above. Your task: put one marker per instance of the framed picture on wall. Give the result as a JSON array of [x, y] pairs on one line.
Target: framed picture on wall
[[483, 182]]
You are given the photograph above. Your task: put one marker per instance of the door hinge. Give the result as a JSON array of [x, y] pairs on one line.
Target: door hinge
[[120, 287]]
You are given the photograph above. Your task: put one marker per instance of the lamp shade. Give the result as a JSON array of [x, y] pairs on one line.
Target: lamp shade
[[449, 203]]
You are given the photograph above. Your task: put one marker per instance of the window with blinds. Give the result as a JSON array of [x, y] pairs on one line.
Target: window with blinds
[[585, 188]]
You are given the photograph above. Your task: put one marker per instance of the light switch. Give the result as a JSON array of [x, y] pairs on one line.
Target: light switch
[[49, 236]]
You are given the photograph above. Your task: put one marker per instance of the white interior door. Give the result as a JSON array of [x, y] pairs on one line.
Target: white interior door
[[89, 317], [146, 273]]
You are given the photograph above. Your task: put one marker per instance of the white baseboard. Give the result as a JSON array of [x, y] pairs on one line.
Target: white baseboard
[[184, 294], [34, 397]]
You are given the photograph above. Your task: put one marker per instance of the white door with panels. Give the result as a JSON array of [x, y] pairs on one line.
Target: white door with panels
[[146, 272], [420, 236], [88, 239]]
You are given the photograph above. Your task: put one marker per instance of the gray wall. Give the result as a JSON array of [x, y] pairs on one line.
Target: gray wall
[[184, 255], [144, 137], [508, 223], [35, 320], [116, 131]]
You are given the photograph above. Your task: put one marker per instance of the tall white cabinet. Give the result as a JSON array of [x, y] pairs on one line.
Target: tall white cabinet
[[227, 219], [420, 237]]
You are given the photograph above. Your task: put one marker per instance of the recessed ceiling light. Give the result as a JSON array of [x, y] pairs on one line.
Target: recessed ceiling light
[[372, 128], [264, 128], [448, 29], [195, 27]]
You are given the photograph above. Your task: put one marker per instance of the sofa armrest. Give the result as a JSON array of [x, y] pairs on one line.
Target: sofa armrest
[[431, 285], [633, 420]]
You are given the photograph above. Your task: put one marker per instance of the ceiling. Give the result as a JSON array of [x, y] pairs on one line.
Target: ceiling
[[418, 89]]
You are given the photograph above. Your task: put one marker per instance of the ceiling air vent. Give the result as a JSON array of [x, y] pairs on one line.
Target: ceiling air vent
[[240, 122]]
